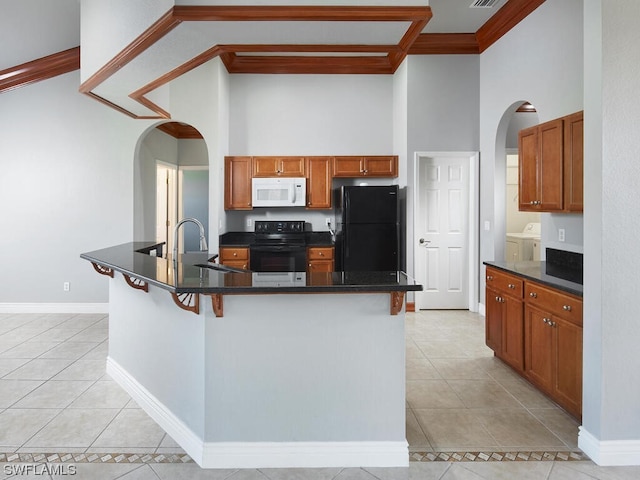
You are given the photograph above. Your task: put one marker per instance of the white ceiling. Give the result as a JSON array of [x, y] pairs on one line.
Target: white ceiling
[[455, 16]]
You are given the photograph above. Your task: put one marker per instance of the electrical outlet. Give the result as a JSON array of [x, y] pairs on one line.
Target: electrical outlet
[[561, 234], [249, 222], [65, 286]]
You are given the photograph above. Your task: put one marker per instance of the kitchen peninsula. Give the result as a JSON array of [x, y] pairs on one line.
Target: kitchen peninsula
[[289, 369]]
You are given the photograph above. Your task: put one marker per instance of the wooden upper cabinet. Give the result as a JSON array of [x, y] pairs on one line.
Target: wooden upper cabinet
[[574, 162], [367, 166], [278, 166], [319, 171], [540, 153], [551, 166], [237, 183]]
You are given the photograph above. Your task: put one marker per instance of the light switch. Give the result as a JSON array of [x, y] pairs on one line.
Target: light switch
[[487, 225]]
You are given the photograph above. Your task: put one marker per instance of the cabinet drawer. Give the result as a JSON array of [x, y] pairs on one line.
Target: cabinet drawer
[[556, 303], [233, 254], [320, 253], [504, 282]]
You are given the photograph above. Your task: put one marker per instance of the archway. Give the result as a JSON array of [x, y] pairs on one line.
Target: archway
[[171, 182], [520, 114]]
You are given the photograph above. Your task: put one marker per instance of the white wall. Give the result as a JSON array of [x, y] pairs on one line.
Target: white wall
[[66, 188], [540, 61], [311, 114], [612, 332]]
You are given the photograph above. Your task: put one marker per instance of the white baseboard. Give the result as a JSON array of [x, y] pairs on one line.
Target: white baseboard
[[54, 308], [609, 452], [482, 310], [183, 435], [260, 454], [305, 454]]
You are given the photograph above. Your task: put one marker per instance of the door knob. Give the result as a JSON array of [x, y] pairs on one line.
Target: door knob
[[423, 241]]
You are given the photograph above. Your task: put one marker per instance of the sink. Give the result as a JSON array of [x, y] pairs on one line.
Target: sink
[[221, 268]]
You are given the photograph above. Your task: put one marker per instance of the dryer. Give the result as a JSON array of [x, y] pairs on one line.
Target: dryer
[[520, 245]]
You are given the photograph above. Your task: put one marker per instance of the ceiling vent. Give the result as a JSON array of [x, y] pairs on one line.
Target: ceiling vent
[[484, 3]]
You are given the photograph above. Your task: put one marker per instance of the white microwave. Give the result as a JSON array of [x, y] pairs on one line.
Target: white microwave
[[278, 192]]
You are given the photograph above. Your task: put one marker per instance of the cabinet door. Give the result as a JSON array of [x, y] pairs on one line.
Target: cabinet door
[[513, 333], [538, 344], [380, 166], [551, 165], [574, 162], [319, 182], [568, 365], [347, 167], [237, 183], [528, 169], [278, 166], [320, 259], [493, 319]]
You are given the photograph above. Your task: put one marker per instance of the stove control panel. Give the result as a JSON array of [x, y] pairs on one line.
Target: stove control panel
[[267, 226]]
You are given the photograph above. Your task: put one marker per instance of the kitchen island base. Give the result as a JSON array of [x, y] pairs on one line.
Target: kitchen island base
[[282, 380]]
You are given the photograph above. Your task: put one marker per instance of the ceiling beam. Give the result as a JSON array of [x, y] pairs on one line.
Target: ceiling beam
[[511, 13], [40, 69], [445, 44]]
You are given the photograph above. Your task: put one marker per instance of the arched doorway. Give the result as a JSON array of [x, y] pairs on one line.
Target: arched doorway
[[171, 182], [508, 219]]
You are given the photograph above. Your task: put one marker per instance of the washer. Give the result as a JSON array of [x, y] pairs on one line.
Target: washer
[[520, 246]]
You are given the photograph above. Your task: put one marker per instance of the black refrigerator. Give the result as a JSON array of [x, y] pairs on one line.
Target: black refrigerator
[[368, 228]]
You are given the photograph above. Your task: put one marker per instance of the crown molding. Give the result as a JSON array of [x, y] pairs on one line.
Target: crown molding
[[40, 69]]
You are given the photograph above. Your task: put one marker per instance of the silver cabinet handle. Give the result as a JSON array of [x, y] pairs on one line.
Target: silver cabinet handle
[[566, 307], [489, 277], [512, 286], [533, 295]]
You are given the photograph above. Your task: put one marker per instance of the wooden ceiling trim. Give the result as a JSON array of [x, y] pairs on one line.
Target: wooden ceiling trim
[[308, 65], [511, 13], [159, 29], [407, 40], [40, 69], [179, 130], [316, 48], [139, 95], [445, 44], [300, 13]]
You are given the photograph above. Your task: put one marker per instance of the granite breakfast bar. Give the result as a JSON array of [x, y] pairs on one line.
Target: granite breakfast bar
[[249, 370]]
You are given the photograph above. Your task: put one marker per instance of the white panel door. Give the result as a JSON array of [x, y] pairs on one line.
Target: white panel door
[[442, 232]]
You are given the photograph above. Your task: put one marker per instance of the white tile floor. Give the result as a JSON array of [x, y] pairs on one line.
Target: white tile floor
[[55, 398]]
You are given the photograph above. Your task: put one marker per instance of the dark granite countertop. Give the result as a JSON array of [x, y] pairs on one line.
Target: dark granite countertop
[[244, 239], [184, 276], [551, 275]]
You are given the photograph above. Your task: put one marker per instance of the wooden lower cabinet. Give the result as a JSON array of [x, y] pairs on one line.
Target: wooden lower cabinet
[[320, 259], [237, 257], [553, 345], [504, 322], [537, 330]]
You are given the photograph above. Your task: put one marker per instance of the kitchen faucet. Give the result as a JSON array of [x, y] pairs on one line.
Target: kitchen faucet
[[203, 240]]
